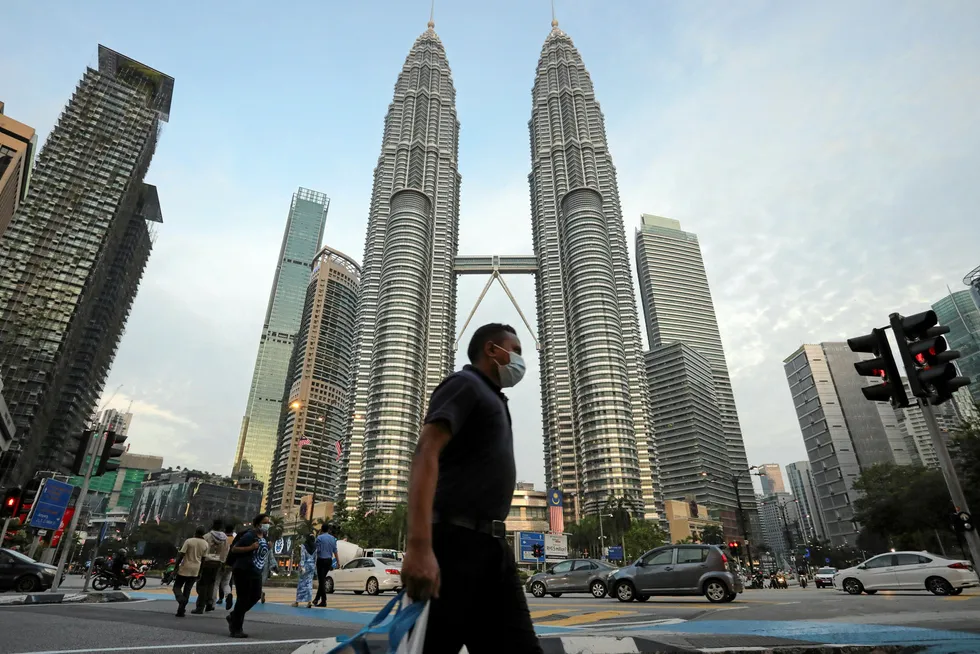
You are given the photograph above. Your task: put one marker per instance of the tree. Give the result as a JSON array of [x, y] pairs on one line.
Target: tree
[[712, 535], [276, 527], [643, 536], [964, 448]]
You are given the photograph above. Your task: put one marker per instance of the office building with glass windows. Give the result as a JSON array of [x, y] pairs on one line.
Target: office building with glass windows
[[801, 484], [300, 243], [959, 312]]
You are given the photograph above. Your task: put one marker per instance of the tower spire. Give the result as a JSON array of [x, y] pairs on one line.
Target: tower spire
[[554, 20], [432, 15]]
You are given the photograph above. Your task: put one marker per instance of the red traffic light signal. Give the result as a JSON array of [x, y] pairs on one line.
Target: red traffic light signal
[[926, 355], [11, 503], [882, 366]]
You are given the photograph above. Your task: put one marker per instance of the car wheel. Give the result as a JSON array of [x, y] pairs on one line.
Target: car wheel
[[625, 592], [938, 586], [870, 592], [372, 586], [956, 591], [731, 597], [642, 598], [328, 585], [715, 591], [852, 586], [598, 589], [358, 592], [555, 594], [27, 585], [137, 584], [537, 589]]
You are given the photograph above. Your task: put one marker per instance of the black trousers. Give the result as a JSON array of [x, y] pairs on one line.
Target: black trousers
[[249, 587], [182, 590], [205, 584], [481, 601], [323, 566]]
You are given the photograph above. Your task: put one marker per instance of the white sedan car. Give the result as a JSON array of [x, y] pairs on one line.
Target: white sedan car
[[908, 571], [371, 575]]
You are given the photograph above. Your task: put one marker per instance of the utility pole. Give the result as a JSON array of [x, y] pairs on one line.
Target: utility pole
[[949, 473], [95, 446]]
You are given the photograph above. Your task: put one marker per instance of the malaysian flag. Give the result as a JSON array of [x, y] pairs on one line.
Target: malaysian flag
[[339, 449], [555, 517], [304, 441]]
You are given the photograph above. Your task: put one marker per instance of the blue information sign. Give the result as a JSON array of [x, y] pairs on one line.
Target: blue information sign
[[615, 553], [827, 560], [52, 500], [525, 552]]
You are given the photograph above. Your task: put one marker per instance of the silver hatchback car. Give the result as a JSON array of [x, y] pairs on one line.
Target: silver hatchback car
[[572, 576], [677, 570]]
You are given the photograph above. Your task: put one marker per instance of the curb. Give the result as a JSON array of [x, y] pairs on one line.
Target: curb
[[65, 598]]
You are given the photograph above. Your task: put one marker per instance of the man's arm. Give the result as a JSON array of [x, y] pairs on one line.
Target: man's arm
[[245, 549]]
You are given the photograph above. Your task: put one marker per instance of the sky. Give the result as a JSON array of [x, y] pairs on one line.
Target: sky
[[825, 154]]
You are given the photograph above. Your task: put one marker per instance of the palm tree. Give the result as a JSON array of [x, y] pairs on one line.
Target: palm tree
[[276, 527]]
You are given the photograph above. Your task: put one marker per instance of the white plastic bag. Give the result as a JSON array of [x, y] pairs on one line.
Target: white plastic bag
[[414, 641]]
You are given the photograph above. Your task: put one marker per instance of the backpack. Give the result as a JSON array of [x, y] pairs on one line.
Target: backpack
[[214, 548]]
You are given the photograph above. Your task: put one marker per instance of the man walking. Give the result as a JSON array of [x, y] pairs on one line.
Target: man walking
[[188, 568], [326, 551], [218, 545], [459, 494], [248, 554], [222, 587]]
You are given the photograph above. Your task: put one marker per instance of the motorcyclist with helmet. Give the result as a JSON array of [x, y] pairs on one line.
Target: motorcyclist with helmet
[[119, 567]]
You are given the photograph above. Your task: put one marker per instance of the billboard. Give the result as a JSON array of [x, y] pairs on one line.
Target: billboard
[[524, 542], [555, 546]]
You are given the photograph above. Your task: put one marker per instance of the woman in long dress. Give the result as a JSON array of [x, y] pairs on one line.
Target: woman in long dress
[[307, 568]]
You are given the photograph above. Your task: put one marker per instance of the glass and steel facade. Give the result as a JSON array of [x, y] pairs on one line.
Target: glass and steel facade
[[316, 402], [73, 256], [801, 484], [594, 397], [959, 312], [407, 314], [678, 308], [300, 243]]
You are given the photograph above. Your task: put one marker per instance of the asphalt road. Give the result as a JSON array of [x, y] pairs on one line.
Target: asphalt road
[[793, 615]]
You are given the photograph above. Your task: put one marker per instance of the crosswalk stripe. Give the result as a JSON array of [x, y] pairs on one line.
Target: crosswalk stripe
[[586, 618]]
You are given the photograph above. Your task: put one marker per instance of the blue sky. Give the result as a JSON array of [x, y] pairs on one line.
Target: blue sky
[[805, 143]]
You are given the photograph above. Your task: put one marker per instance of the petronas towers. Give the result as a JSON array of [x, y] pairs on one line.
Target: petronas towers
[[596, 440]]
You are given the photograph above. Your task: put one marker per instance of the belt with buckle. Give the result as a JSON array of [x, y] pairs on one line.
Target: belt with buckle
[[495, 528]]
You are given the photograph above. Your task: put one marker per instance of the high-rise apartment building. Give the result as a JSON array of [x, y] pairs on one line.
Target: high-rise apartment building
[[772, 479], [316, 400], [17, 145], [678, 308], [593, 390], [801, 484], [972, 279], [693, 454], [300, 243], [73, 256], [843, 432], [407, 315], [913, 426], [959, 312]]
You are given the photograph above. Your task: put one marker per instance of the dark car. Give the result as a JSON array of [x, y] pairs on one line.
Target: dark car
[[572, 576], [23, 574], [677, 570]]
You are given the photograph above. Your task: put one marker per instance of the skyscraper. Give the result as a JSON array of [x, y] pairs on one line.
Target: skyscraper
[[407, 314], [597, 441], [801, 483], [958, 312], [772, 479], [17, 145], [300, 243], [843, 432], [71, 260], [316, 400], [914, 428], [678, 308]]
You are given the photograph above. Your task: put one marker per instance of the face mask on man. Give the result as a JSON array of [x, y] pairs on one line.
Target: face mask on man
[[265, 527], [511, 373]]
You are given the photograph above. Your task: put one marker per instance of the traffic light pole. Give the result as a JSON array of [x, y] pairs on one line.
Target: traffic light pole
[[949, 473], [3, 532], [95, 446]]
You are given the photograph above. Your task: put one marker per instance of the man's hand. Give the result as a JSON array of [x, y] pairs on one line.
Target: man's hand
[[420, 572]]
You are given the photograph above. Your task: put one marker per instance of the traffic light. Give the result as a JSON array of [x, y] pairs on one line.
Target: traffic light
[[882, 366], [733, 548], [962, 521], [78, 463], [927, 357], [113, 449], [537, 551], [27, 497], [11, 502]]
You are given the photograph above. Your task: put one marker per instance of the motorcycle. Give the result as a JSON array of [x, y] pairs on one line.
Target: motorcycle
[[132, 577], [169, 573], [802, 581]]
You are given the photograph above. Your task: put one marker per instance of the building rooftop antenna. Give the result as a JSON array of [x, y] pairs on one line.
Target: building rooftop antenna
[[432, 14], [554, 20]]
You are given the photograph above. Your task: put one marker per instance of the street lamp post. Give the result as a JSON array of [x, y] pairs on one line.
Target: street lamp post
[[736, 477], [602, 537]]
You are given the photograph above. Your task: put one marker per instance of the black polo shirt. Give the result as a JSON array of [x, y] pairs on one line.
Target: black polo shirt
[[477, 472]]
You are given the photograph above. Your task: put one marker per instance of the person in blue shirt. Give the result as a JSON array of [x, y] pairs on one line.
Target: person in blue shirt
[[248, 553], [326, 552]]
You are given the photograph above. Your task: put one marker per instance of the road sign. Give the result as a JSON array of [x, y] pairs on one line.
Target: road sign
[[555, 546], [52, 500], [526, 541], [615, 552], [827, 560]]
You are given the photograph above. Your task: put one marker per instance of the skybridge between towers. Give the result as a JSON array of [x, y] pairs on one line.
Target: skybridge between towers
[[496, 266]]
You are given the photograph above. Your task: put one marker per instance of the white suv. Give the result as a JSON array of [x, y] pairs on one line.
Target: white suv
[[908, 571]]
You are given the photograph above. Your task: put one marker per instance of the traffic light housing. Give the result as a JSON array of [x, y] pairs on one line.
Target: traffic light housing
[[537, 551], [733, 547], [27, 497], [926, 355], [882, 366], [11, 502], [78, 463], [111, 451]]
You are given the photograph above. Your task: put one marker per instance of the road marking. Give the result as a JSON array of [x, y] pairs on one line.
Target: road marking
[[586, 618], [542, 614], [146, 648]]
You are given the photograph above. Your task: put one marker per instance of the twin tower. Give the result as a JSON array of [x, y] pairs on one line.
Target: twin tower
[[597, 441]]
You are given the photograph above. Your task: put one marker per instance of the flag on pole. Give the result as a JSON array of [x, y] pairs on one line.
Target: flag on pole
[[339, 449], [555, 516], [304, 441]]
